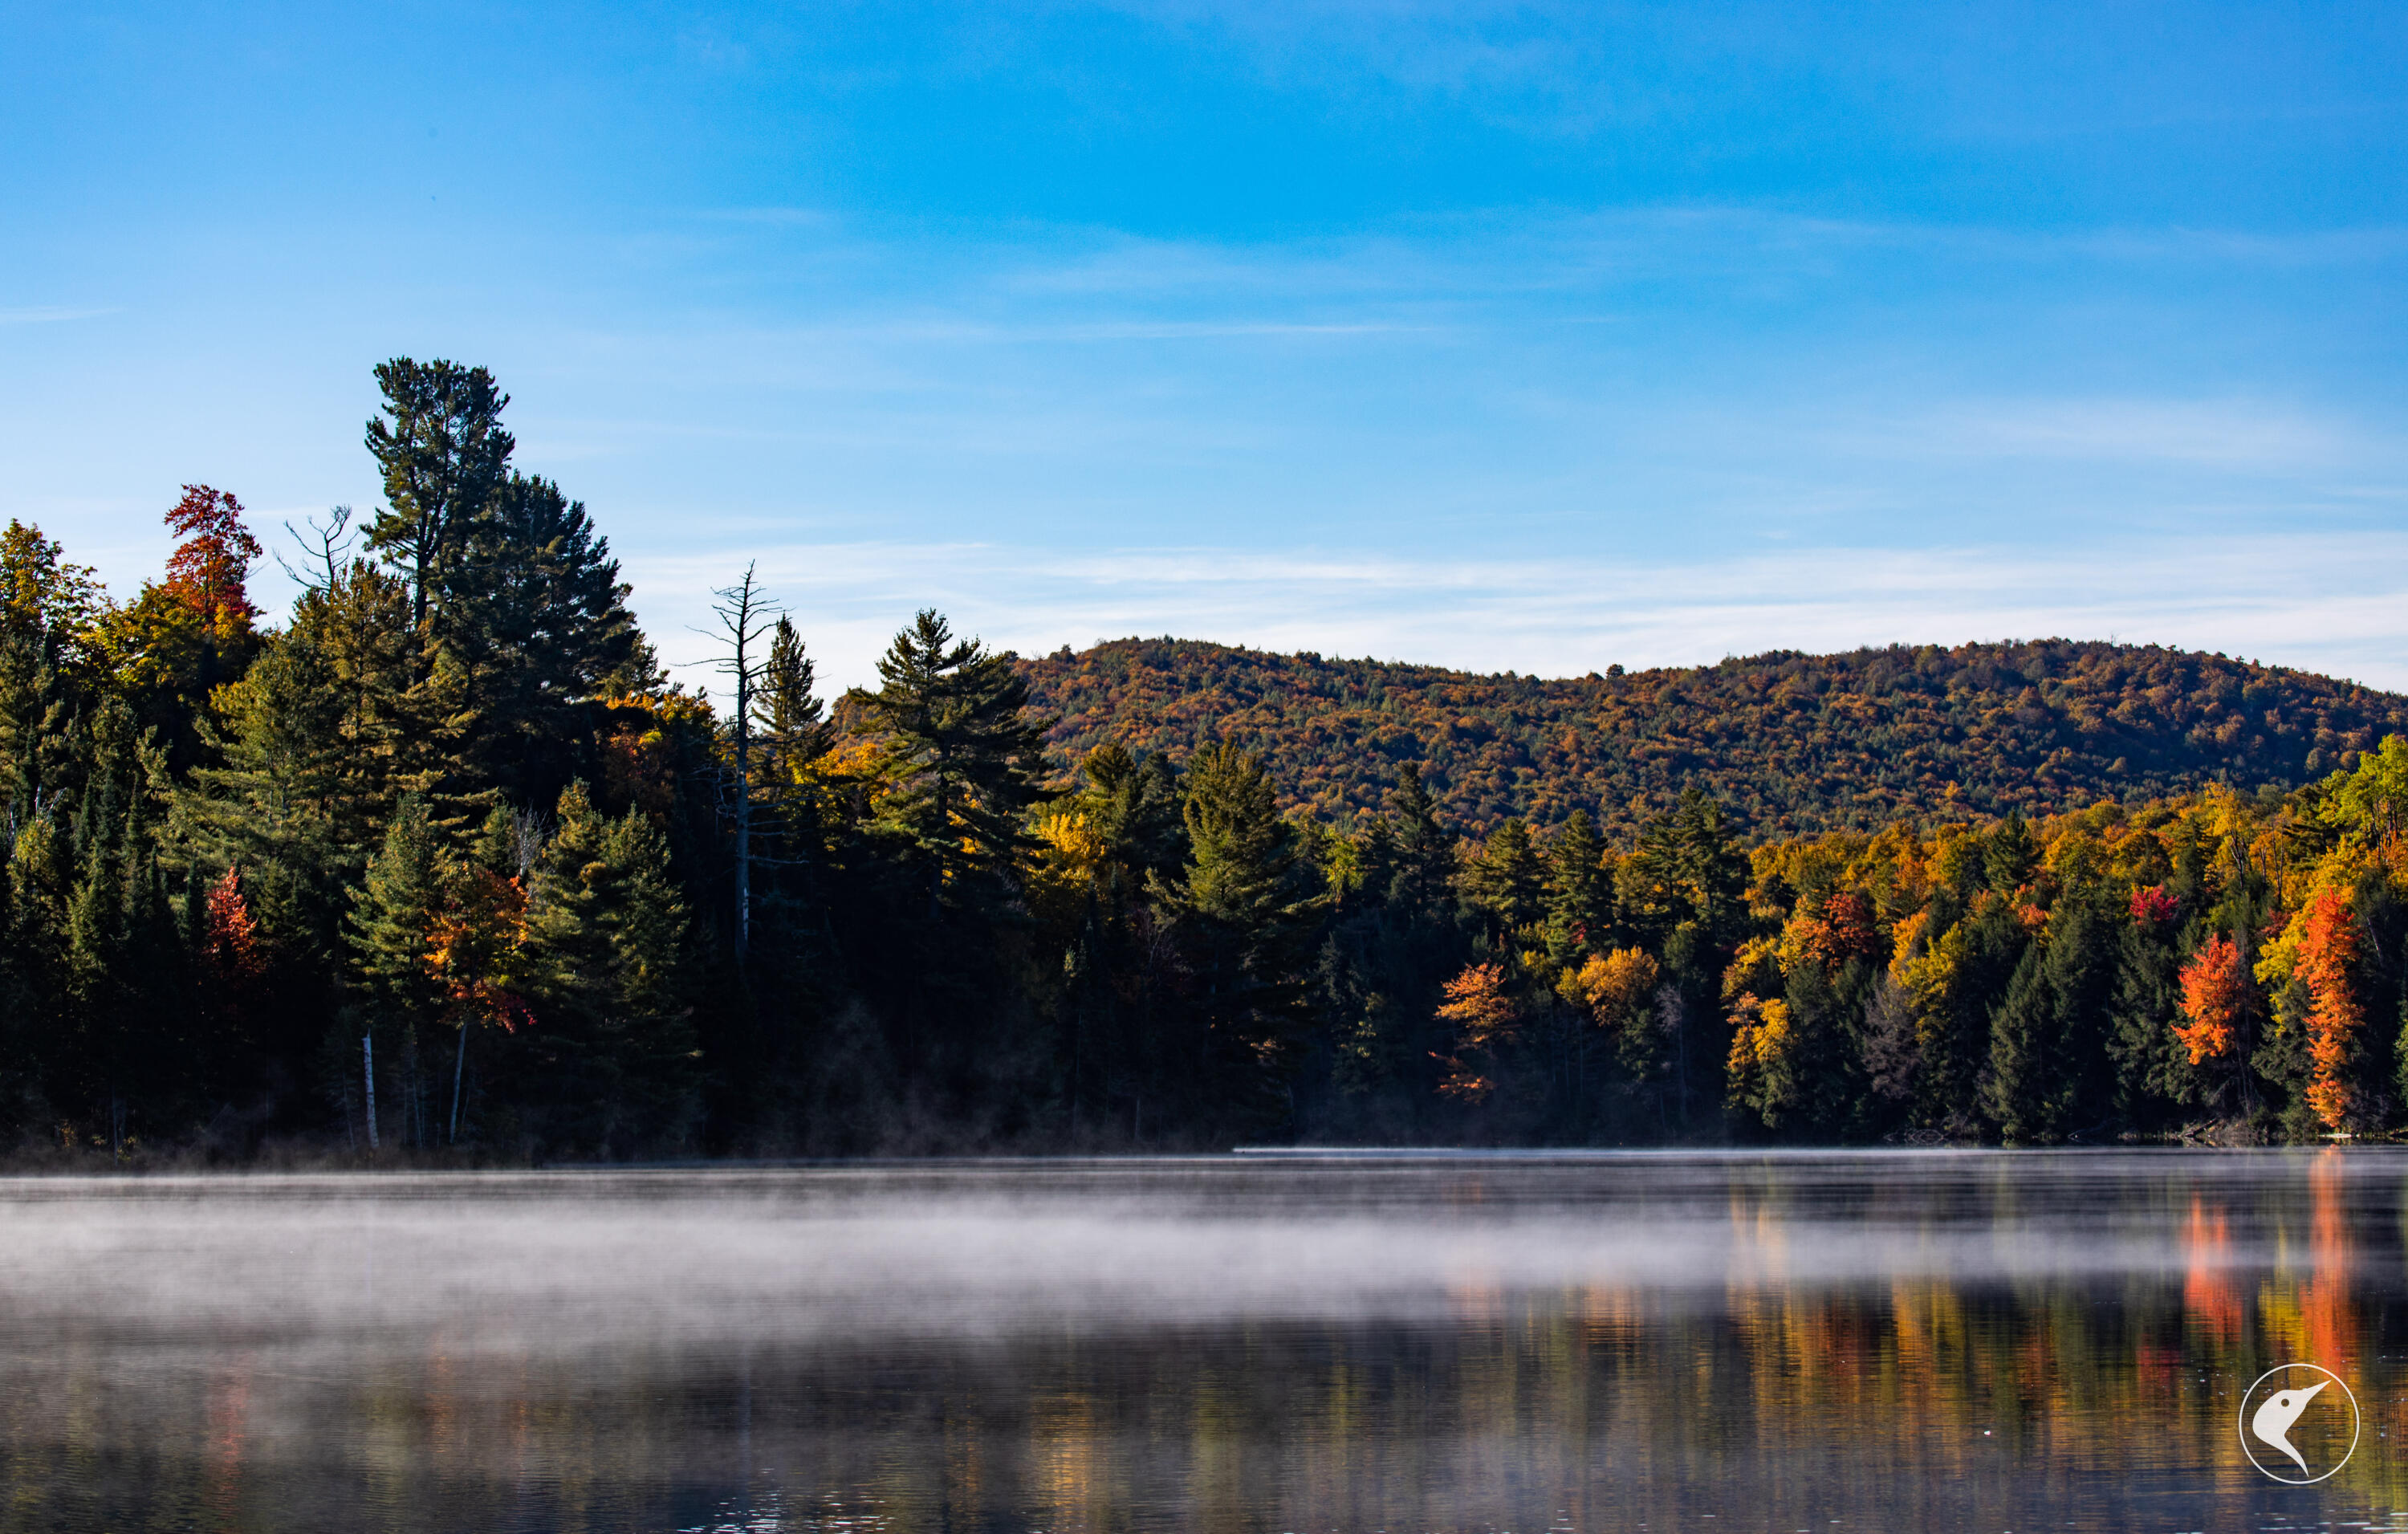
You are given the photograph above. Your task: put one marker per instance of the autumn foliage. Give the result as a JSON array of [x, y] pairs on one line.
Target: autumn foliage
[[474, 949], [1841, 930], [2328, 950], [208, 570], [1764, 1038], [2154, 906], [230, 956], [1159, 892], [2215, 992], [1616, 987], [1788, 742], [1480, 1004]]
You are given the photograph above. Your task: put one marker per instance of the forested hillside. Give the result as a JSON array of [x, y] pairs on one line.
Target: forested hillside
[[1788, 742], [442, 868]]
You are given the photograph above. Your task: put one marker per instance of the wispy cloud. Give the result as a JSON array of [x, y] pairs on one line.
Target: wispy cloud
[[2217, 433], [2322, 603], [44, 314]]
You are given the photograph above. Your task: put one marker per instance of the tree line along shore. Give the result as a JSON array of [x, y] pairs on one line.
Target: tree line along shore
[[443, 868]]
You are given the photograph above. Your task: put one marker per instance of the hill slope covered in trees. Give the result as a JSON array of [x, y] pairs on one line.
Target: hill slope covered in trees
[[1789, 742]]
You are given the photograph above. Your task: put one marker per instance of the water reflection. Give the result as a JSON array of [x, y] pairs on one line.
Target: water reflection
[[2002, 1342]]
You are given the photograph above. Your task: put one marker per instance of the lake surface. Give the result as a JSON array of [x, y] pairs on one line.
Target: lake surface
[[2000, 1341]]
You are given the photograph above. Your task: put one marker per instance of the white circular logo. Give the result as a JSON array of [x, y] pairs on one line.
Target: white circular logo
[[2299, 1424]]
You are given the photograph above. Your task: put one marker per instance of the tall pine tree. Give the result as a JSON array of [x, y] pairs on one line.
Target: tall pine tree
[[440, 440], [961, 757]]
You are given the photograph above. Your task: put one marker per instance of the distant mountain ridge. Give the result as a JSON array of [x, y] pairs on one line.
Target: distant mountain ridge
[[1791, 742]]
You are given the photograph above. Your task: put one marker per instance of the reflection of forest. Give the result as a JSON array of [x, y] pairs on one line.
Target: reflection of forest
[[2086, 1398]]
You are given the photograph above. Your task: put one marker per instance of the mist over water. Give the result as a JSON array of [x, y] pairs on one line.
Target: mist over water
[[2005, 1340]]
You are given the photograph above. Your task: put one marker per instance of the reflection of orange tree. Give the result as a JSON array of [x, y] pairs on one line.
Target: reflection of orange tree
[[229, 1436], [2210, 1302], [2063, 1381], [1611, 1404], [1075, 1488], [2315, 1318]]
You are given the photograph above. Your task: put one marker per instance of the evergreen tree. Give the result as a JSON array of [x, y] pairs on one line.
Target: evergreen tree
[[51, 614], [1381, 975], [318, 741], [392, 928], [1135, 807], [792, 721], [1422, 858], [1374, 846], [1506, 881], [2049, 1033], [1825, 1063], [1579, 895], [122, 1010], [441, 443], [787, 708], [800, 805], [2015, 1090], [2154, 1076], [962, 760], [1682, 892], [1969, 968], [1248, 905], [1687, 869], [537, 633], [33, 966], [2011, 856], [613, 1044], [1113, 846]]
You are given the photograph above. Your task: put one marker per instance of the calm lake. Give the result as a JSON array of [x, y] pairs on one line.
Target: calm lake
[[2002, 1342]]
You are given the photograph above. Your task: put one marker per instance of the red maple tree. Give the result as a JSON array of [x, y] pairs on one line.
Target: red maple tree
[[208, 569], [2215, 990], [2154, 906], [231, 957]]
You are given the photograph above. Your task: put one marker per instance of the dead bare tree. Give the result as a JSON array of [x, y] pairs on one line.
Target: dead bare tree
[[327, 545], [744, 616]]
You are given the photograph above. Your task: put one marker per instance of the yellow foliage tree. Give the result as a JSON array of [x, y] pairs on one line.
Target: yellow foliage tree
[[1480, 1006]]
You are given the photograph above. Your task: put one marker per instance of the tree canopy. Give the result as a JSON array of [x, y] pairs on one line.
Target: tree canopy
[[439, 867]]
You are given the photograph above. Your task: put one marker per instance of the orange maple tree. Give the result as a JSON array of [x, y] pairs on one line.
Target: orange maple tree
[[2214, 989], [2328, 950], [1482, 1009], [1841, 930], [475, 948]]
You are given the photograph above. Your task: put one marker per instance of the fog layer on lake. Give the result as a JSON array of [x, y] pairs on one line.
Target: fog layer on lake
[[1285, 1341]]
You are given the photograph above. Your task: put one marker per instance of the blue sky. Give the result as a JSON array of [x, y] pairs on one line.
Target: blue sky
[[1506, 336]]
